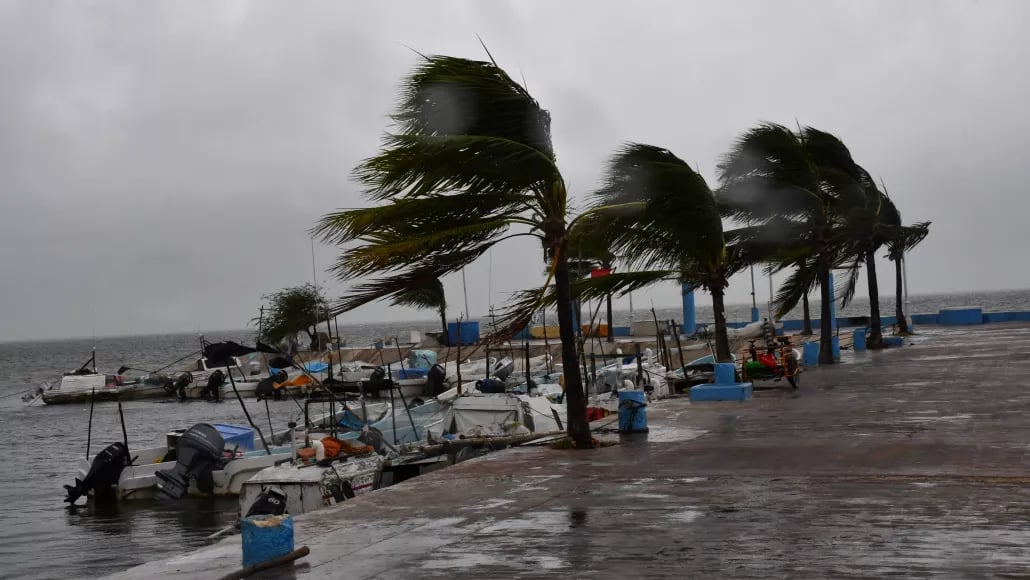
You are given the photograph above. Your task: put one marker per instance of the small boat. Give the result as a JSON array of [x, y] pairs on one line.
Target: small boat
[[309, 487], [86, 383], [205, 459]]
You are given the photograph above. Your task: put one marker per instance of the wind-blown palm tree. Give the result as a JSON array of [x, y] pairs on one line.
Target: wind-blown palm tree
[[806, 180], [425, 297], [470, 160], [590, 251], [867, 229], [678, 235], [901, 241]]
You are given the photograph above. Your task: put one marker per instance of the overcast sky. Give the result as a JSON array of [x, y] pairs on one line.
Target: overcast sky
[[162, 162]]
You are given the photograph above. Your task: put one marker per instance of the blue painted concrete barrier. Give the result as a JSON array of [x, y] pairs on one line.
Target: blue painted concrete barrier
[[793, 324], [835, 349], [859, 339], [272, 539], [725, 387], [622, 331], [893, 341], [960, 316], [632, 412], [924, 318]]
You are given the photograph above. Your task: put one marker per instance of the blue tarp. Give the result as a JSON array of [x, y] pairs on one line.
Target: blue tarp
[[316, 367]]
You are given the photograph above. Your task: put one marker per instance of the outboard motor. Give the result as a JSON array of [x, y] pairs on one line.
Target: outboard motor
[[490, 385], [181, 383], [198, 453], [270, 502], [214, 384], [373, 437], [378, 374], [435, 379], [503, 368], [103, 473], [266, 387]]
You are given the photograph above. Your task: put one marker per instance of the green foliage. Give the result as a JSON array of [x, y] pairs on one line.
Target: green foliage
[[292, 310], [675, 233], [429, 296], [469, 160]]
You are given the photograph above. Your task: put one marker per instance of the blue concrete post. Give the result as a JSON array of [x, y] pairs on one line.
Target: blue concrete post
[[724, 373], [689, 314], [836, 347], [755, 313], [859, 339]]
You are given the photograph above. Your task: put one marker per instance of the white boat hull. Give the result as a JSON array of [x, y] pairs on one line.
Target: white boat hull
[[312, 488], [138, 481]]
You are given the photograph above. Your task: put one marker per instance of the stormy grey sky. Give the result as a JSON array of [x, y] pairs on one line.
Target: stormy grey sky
[[162, 162]]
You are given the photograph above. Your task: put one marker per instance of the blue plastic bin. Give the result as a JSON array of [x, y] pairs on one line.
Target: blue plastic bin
[[235, 435], [632, 412], [469, 333], [265, 542]]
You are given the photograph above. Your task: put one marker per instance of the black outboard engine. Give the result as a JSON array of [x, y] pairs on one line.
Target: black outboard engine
[[270, 502], [198, 453], [373, 437], [490, 385], [266, 387], [435, 379], [180, 385], [503, 369], [378, 374], [103, 473], [214, 384]]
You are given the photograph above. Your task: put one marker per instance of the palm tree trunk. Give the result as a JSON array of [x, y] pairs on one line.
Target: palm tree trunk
[[575, 399], [898, 310], [806, 330], [825, 332], [443, 324], [722, 340], [875, 339]]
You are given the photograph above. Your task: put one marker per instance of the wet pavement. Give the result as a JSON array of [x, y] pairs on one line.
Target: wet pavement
[[910, 462]]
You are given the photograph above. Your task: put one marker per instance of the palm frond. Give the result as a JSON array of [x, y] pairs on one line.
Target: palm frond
[[800, 282], [412, 215], [846, 290], [678, 222], [431, 295], [386, 251]]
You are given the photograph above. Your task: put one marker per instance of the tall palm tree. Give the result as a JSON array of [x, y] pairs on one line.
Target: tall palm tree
[[806, 180], [469, 161], [425, 297], [590, 251], [901, 240], [868, 228], [677, 235]]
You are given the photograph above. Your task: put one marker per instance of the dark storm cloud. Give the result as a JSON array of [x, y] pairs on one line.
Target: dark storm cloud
[[161, 162]]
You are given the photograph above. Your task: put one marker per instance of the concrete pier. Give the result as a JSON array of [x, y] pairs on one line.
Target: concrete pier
[[902, 462]]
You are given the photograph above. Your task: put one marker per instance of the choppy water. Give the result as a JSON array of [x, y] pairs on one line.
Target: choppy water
[[40, 538]]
